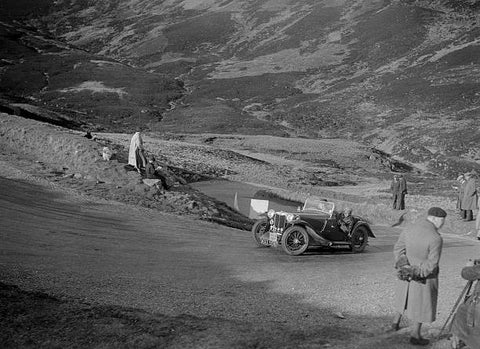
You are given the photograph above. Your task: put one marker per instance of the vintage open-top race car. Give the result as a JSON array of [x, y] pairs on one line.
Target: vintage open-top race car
[[316, 224]]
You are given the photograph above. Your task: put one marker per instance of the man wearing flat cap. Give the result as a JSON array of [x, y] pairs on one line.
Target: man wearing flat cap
[[420, 246], [469, 200]]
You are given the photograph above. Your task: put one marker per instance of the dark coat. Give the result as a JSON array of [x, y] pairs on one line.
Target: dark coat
[[395, 186], [469, 200], [399, 189], [402, 185], [422, 245], [466, 323], [459, 188], [150, 171]]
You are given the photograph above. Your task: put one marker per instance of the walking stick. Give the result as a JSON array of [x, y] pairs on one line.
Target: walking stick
[[463, 294]]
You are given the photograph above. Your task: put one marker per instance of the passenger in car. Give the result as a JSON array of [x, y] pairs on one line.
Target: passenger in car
[[346, 220]]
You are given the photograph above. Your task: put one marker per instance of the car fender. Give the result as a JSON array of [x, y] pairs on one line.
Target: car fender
[[312, 233], [365, 224]]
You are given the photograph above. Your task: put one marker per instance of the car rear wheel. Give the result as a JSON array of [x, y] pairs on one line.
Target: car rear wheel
[[359, 239], [295, 240], [258, 229]]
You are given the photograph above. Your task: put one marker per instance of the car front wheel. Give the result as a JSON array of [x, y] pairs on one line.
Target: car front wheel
[[295, 240], [359, 239], [258, 229]]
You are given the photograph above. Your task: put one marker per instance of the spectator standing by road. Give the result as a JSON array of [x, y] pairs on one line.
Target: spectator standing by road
[[394, 186], [399, 190], [136, 153], [459, 187], [420, 245], [469, 201]]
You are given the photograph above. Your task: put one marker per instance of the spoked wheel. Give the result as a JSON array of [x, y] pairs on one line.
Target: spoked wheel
[[295, 241], [258, 229], [359, 239]]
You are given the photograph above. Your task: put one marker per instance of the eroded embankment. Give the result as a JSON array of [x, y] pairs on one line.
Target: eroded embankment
[[79, 162], [61, 147]]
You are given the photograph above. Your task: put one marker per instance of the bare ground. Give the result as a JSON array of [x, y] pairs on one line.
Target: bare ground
[[272, 162]]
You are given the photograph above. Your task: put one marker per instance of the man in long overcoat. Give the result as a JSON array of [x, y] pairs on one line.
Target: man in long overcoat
[[459, 186], [421, 245], [399, 190], [469, 201]]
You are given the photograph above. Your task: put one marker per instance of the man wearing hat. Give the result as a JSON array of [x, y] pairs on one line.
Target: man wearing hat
[[399, 190], [420, 245], [469, 200]]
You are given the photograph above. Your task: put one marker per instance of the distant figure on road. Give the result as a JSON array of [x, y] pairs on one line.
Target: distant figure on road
[[136, 153], [469, 200], [399, 190], [465, 324], [419, 246]]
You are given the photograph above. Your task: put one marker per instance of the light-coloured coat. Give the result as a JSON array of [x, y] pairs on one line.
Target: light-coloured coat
[[422, 245], [136, 156], [469, 200]]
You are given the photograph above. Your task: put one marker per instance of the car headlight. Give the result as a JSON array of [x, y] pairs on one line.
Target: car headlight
[[290, 217], [271, 213]]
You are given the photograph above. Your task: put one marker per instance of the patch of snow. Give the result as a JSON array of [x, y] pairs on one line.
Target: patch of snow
[[199, 5], [95, 87], [334, 36], [169, 58], [102, 63], [452, 48], [289, 60]]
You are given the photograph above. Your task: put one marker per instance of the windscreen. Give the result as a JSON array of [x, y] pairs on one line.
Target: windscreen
[[318, 205]]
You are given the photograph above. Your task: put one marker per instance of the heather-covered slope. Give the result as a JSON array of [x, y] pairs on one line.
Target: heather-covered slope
[[402, 76]]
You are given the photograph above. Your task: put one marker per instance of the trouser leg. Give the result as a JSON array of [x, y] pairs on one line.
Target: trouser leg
[[396, 321], [401, 205], [416, 329], [464, 214], [469, 215]]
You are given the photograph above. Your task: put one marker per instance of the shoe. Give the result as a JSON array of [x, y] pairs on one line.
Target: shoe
[[392, 328], [419, 341]]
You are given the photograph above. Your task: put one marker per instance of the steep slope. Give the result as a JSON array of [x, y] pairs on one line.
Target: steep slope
[[402, 76], [72, 87]]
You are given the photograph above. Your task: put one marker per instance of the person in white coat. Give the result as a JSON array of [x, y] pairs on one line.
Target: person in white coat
[[136, 153]]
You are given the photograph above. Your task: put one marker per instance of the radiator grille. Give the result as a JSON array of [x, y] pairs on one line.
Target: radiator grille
[[279, 222]]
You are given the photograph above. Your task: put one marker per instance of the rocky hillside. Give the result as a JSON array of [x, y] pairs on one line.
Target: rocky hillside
[[400, 76]]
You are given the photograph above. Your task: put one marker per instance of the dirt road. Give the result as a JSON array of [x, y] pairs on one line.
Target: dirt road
[[112, 253]]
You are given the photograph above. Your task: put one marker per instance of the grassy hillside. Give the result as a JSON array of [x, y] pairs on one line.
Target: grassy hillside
[[401, 76]]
